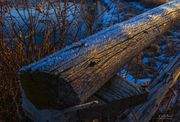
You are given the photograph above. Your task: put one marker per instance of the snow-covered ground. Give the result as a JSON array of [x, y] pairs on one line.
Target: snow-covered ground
[[138, 6], [108, 13]]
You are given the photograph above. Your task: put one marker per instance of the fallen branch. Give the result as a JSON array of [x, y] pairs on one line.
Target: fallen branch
[[158, 89]]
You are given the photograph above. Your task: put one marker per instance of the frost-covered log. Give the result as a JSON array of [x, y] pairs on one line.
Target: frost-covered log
[[73, 74], [157, 91]]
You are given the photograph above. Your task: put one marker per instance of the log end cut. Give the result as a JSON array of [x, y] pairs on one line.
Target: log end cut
[[48, 91]]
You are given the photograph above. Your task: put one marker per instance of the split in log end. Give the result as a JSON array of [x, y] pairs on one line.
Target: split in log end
[[48, 91]]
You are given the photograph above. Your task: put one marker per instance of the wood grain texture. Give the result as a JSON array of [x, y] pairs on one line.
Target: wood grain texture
[[112, 98], [118, 88], [71, 75]]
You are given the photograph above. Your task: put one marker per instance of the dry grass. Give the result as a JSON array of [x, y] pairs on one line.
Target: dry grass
[[36, 33]]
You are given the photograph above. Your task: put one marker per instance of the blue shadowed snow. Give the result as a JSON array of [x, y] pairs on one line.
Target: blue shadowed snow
[[138, 6], [130, 78], [112, 15], [158, 64], [146, 60], [145, 80], [71, 9], [109, 4]]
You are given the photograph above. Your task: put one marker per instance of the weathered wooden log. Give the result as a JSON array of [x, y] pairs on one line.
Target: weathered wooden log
[[115, 96], [158, 89], [72, 75], [112, 98], [111, 108], [117, 89]]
